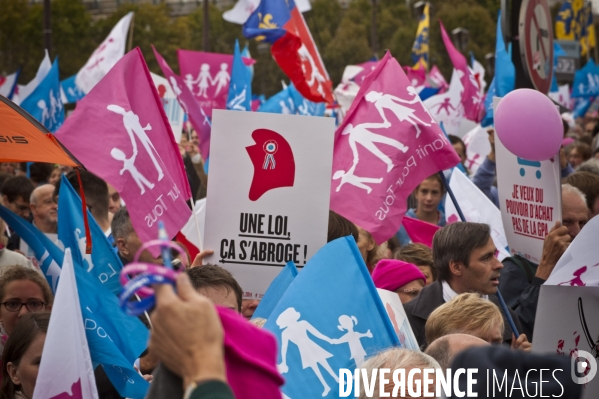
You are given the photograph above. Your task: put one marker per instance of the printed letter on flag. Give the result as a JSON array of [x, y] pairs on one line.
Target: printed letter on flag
[[282, 24], [387, 144], [105, 57], [120, 132], [66, 346]]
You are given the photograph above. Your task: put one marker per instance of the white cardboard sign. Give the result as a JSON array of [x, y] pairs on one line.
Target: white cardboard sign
[[172, 109], [399, 319], [566, 323], [268, 193], [530, 200]]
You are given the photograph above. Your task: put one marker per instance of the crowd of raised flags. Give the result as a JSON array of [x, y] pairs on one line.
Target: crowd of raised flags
[[114, 92]]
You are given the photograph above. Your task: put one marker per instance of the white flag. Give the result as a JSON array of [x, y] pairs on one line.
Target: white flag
[[105, 57], [66, 366], [447, 108], [7, 83], [477, 208], [194, 228], [24, 91], [477, 147], [579, 265]]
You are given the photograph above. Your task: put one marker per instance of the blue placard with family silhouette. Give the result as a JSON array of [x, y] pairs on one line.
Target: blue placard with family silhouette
[[330, 317]]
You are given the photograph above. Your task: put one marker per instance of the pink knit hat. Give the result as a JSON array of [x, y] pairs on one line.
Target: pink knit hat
[[391, 274]]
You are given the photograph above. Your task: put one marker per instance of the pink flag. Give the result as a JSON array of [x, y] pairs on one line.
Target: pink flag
[[196, 114], [472, 99], [419, 231], [66, 368], [387, 144], [207, 76], [251, 358], [120, 132], [416, 76], [436, 79]]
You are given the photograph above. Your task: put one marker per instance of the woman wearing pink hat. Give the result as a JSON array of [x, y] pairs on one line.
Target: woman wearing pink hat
[[398, 276]]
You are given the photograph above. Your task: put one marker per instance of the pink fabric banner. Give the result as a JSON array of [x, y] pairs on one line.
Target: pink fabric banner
[[387, 144], [416, 77], [120, 132], [472, 99], [207, 76], [419, 231], [196, 114]]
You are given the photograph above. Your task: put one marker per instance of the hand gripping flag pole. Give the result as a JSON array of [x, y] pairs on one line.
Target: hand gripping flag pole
[[508, 316]]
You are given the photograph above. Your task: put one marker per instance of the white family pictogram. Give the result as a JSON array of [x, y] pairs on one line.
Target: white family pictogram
[[136, 132], [363, 135], [178, 92], [312, 355], [311, 70], [205, 80], [50, 115]]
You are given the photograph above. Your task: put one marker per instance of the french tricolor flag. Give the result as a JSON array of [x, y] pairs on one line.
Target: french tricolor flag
[[66, 346]]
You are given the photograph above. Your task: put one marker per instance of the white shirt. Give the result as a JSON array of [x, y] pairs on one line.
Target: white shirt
[[449, 293]]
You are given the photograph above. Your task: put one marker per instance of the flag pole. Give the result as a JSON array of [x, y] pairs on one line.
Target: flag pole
[[195, 218], [504, 307]]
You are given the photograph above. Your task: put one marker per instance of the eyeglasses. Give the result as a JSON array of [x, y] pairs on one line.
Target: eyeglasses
[[32, 306]]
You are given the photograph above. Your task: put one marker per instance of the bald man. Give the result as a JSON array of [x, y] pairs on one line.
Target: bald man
[[444, 349], [44, 212]]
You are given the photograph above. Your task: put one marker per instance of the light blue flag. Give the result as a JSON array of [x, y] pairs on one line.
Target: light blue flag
[[557, 52], [115, 340], [581, 106], [48, 255], [71, 91], [280, 103], [45, 102], [240, 88], [275, 291], [504, 80], [246, 53], [505, 71], [586, 81], [305, 107], [103, 263], [491, 92], [330, 317]]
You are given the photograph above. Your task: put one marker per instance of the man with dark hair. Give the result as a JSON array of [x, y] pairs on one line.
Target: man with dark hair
[[126, 239], [96, 198], [39, 172], [464, 256], [16, 193], [217, 284], [340, 227]]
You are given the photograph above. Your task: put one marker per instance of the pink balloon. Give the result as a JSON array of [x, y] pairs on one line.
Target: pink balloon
[[529, 125]]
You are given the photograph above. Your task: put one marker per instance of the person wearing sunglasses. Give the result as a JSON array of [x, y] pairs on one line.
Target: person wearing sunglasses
[[22, 291]]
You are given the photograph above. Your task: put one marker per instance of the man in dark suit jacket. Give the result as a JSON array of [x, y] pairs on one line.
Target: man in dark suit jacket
[[464, 256]]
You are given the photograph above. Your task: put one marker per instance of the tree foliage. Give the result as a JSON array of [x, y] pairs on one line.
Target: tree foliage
[[343, 35]]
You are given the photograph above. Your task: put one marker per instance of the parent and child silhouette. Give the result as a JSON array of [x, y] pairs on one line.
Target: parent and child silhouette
[[312, 355]]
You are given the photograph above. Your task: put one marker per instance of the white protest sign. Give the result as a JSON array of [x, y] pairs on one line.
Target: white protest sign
[[566, 324], [477, 208], [172, 109], [579, 265], [530, 199], [399, 319], [268, 193]]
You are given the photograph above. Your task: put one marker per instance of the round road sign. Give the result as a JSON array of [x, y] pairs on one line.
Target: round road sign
[[536, 42]]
